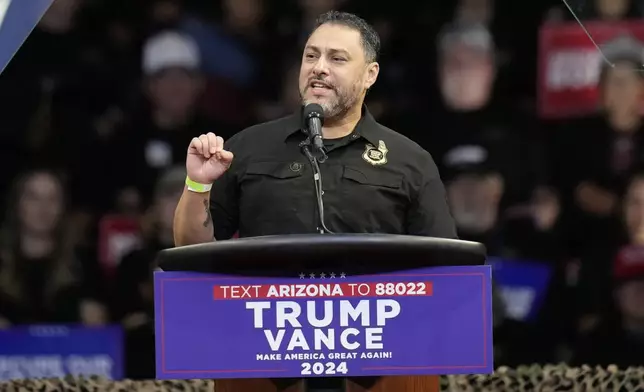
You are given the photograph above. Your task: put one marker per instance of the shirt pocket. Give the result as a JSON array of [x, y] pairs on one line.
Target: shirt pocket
[[376, 197], [272, 191], [372, 177], [275, 170]]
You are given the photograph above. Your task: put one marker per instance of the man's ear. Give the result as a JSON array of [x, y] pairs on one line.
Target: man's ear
[[373, 70]]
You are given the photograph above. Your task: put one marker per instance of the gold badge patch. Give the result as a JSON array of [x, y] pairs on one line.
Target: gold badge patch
[[375, 156]]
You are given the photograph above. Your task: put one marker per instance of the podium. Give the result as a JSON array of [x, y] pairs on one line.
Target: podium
[[410, 309]]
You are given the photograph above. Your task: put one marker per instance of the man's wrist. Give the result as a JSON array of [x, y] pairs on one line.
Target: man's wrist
[[197, 187]]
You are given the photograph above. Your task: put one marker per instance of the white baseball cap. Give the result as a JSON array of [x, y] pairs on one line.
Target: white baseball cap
[[472, 35], [170, 49]]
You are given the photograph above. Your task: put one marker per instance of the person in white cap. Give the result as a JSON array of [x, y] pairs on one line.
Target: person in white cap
[[156, 134], [171, 63]]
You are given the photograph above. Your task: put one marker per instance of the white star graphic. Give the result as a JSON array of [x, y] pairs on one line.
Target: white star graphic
[[312, 276], [332, 275], [323, 275], [301, 275], [343, 275]]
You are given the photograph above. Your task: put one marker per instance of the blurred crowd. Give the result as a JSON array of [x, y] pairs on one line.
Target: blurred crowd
[[99, 105]]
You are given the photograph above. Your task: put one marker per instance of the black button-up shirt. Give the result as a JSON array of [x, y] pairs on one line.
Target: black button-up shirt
[[374, 181]]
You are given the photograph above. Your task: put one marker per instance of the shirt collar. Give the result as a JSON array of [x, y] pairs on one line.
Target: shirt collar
[[367, 127]]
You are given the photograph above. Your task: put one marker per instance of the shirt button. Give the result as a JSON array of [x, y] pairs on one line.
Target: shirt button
[[354, 136], [295, 167]]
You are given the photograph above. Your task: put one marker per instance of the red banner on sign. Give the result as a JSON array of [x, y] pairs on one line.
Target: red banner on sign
[[570, 65]]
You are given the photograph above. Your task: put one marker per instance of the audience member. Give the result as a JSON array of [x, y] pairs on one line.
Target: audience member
[[42, 278]]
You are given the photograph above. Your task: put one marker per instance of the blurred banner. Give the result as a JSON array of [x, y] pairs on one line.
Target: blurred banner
[[522, 284], [570, 65], [55, 351], [17, 20]]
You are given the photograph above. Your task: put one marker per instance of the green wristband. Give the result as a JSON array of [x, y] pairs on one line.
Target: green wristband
[[197, 187]]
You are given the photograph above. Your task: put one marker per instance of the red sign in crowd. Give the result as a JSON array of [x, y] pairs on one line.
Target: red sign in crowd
[[117, 236], [570, 65]]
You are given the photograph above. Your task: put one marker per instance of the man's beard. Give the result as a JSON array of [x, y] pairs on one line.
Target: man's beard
[[334, 106]]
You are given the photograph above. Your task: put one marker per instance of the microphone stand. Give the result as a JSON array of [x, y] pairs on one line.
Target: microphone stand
[[305, 145]]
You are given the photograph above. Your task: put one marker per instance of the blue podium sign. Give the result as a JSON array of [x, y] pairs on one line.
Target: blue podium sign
[[46, 351], [424, 321]]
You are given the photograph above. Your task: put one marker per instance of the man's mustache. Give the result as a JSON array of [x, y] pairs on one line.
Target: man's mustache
[[322, 81]]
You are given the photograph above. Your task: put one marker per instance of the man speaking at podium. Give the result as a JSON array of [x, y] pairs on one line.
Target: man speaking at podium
[[330, 168]]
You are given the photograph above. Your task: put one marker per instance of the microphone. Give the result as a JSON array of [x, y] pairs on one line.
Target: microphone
[[314, 117]]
